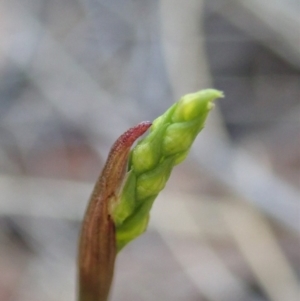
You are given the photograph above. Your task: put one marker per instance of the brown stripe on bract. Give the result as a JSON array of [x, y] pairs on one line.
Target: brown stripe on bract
[[97, 249]]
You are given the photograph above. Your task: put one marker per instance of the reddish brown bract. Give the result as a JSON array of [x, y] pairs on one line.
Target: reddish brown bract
[[97, 250]]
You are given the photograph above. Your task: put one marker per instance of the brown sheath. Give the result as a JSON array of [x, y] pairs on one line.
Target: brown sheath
[[97, 248]]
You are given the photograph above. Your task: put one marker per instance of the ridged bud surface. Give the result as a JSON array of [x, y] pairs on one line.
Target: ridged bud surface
[[153, 158]]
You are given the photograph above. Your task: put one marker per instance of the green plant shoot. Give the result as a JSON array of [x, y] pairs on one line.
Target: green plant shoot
[[119, 207], [153, 158]]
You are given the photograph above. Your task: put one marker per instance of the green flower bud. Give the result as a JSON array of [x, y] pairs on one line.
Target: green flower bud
[[147, 152], [153, 181], [164, 119], [126, 203], [192, 105], [134, 225], [119, 207], [178, 158], [151, 161], [180, 136]]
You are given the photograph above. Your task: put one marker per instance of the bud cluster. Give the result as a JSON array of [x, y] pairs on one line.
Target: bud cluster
[[153, 158]]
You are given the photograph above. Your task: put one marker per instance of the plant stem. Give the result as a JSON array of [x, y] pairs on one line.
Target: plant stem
[[97, 249]]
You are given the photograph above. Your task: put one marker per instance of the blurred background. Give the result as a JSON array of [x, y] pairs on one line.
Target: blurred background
[[76, 74]]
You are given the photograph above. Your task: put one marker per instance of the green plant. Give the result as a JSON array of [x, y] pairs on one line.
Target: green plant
[[119, 207]]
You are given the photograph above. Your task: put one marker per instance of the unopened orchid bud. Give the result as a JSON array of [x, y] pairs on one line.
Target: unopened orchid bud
[[195, 105], [152, 159], [120, 204], [153, 181]]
